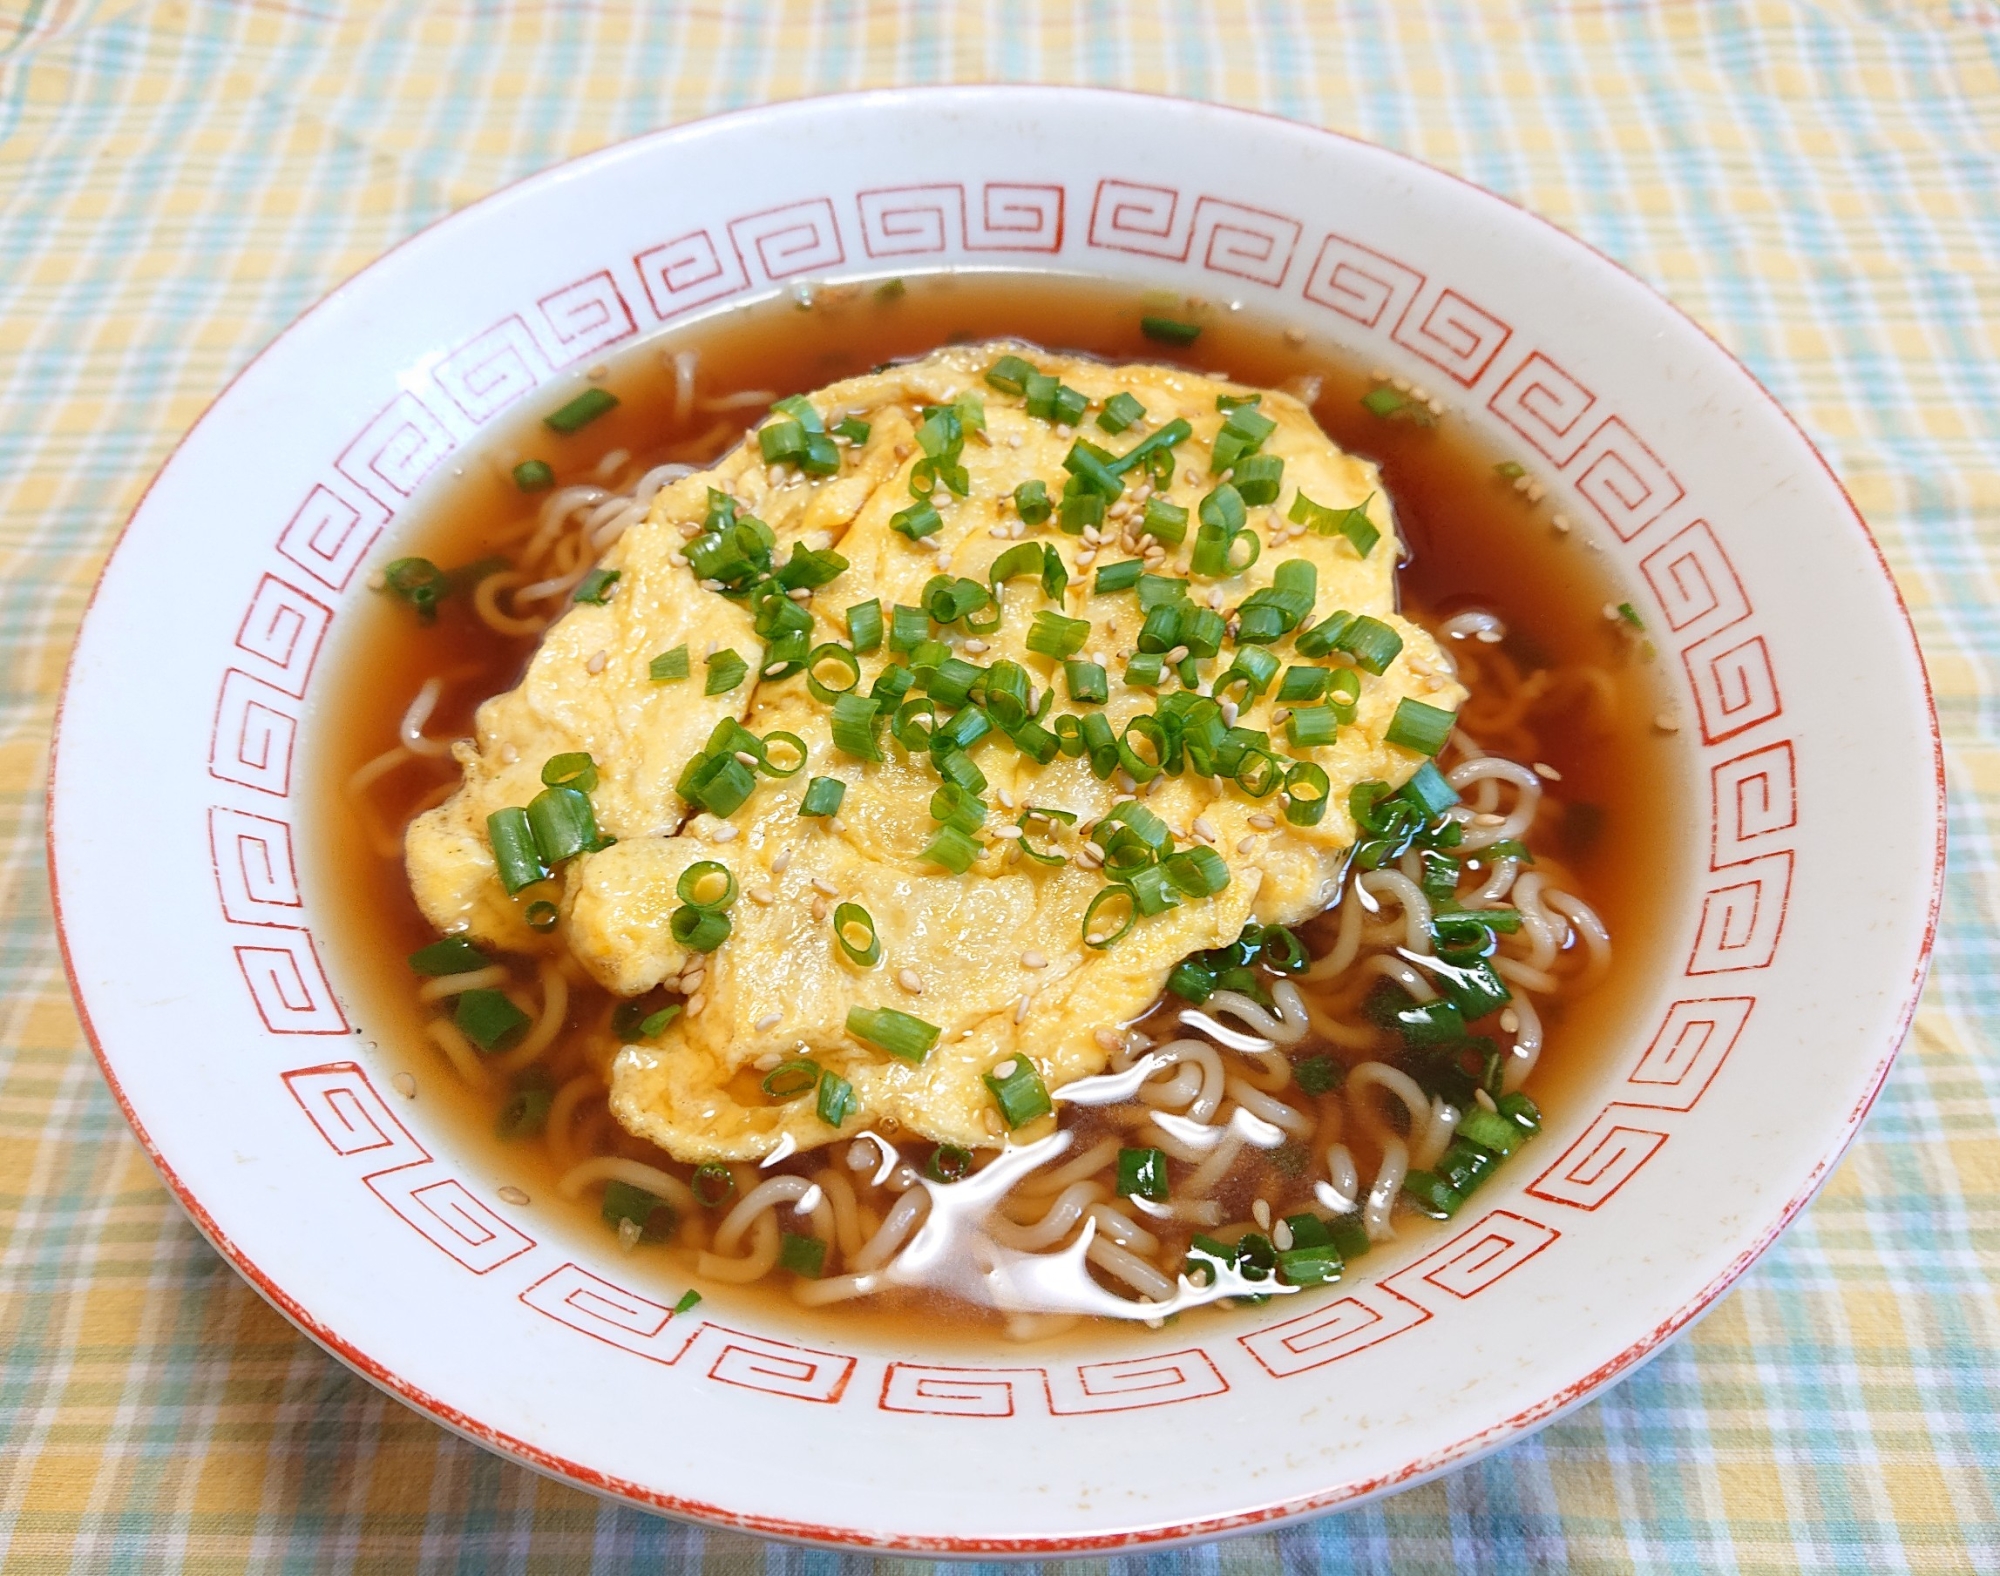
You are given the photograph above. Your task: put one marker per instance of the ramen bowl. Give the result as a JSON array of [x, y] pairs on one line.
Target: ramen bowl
[[206, 958]]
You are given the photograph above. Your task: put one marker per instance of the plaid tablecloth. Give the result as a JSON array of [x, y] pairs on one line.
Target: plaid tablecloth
[[1817, 183]]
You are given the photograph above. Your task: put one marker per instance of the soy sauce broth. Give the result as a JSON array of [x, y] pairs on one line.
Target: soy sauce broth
[[1474, 541]]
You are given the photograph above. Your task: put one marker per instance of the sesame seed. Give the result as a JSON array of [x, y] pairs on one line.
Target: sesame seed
[[1263, 823], [1031, 959], [1560, 522], [1485, 1100], [695, 1004], [1021, 1009], [1204, 829], [691, 980], [907, 978], [768, 1060], [1261, 1213], [1006, 831], [597, 371], [782, 863], [677, 558], [1281, 1235], [378, 580], [1544, 769], [1437, 407], [406, 1085], [764, 895], [1245, 844], [1536, 492], [768, 1022], [723, 834], [1191, 476], [819, 908], [1176, 656], [835, 825], [1667, 722], [596, 662], [1611, 613], [1006, 1069], [1229, 714], [746, 757], [628, 1233], [800, 593], [992, 1121], [1487, 818], [1110, 1040], [1065, 431], [1006, 798], [976, 647], [824, 886], [513, 1195], [1510, 1021], [774, 670]]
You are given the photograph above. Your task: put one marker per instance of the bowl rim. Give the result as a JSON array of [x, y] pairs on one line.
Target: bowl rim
[[610, 1486]]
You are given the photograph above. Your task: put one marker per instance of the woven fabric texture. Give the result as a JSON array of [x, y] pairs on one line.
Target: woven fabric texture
[[1816, 183]]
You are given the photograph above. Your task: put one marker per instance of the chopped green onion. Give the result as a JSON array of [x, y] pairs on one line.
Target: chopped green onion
[[668, 666], [1383, 402], [839, 657], [652, 1217], [534, 476], [1259, 478], [1433, 1195], [1318, 1075], [837, 1101], [1353, 523], [902, 1036], [1169, 331], [725, 671], [724, 786], [1120, 411], [1310, 727], [800, 409], [952, 849], [955, 766], [1142, 1173], [854, 930], [542, 916], [572, 769], [515, 856], [707, 884], [699, 929], [1630, 615], [864, 625], [1419, 727], [823, 796], [713, 1185], [1431, 793], [792, 743], [581, 411], [809, 569], [1510, 470], [1010, 374], [1164, 521], [1372, 643], [1521, 1111], [1100, 938], [853, 429], [948, 1163], [595, 587], [952, 805], [1018, 1091], [563, 823], [792, 1080], [781, 440], [1197, 871], [451, 955], [803, 1256], [1031, 502], [1323, 639], [1303, 684], [1053, 635], [1087, 681], [489, 1019], [418, 582], [917, 521], [1080, 511], [1121, 576], [526, 1114], [1306, 792], [909, 627], [1090, 466], [1243, 432], [855, 720], [1144, 670]]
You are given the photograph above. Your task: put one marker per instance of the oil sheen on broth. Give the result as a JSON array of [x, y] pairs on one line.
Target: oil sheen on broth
[[1558, 685]]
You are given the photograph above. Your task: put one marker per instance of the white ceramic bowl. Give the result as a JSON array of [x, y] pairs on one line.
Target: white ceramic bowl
[[1793, 965]]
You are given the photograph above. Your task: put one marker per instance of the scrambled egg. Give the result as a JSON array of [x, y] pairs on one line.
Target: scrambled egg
[[995, 957]]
